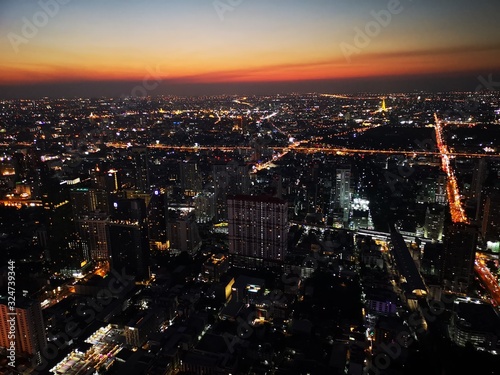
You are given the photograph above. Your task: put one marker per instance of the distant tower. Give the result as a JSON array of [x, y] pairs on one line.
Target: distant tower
[[342, 198], [157, 221], [478, 177], [190, 178], [141, 166], [383, 108]]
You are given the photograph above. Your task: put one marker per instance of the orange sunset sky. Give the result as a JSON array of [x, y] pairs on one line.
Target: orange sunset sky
[[52, 44]]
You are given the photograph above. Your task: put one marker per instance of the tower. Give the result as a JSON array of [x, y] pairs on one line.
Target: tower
[[478, 177], [157, 221], [342, 198], [190, 178], [141, 167]]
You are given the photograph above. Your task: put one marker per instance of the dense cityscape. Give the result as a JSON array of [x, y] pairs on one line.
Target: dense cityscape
[[236, 187], [281, 234]]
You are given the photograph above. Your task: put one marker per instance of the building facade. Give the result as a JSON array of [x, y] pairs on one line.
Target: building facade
[[258, 227]]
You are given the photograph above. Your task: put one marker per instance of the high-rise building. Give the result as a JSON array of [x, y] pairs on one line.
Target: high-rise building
[[441, 194], [229, 179], [190, 178], [183, 234], [342, 197], [490, 228], [476, 196], [204, 207], [85, 201], [460, 241], [258, 227], [109, 180], [90, 209], [434, 222], [92, 231], [157, 221], [141, 168], [30, 336], [478, 177], [127, 235]]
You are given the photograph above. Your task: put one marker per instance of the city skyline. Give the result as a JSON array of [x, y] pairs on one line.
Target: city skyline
[[74, 48], [312, 224], [249, 187]]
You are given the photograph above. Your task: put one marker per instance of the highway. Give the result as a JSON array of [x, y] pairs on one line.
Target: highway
[[310, 150], [456, 209], [489, 281]]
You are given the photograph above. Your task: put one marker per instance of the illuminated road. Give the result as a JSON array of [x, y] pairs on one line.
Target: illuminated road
[[487, 278], [296, 147], [242, 102], [310, 150], [268, 164], [455, 203]]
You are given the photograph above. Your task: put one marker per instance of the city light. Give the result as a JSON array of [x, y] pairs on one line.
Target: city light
[[454, 200]]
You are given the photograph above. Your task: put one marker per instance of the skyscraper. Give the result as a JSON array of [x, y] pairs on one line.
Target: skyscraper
[[157, 221], [229, 179], [342, 197], [190, 178], [434, 222], [478, 177], [476, 191], [85, 201], [127, 235], [204, 207], [183, 234], [258, 227], [440, 195], [106, 180], [92, 231], [29, 328], [90, 211], [460, 241], [140, 159]]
